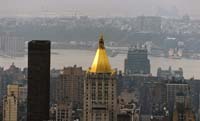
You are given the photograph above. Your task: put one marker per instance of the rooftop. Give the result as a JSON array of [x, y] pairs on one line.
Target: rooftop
[[101, 63]]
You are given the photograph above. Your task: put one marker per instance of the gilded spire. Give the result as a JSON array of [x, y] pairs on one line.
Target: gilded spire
[[101, 63], [101, 42]]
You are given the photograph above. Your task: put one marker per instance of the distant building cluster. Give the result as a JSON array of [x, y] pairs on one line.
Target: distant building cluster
[[168, 37], [13, 96], [148, 24], [170, 74], [100, 93], [11, 45]]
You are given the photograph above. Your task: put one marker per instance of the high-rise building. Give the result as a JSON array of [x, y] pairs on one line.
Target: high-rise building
[[137, 61], [12, 45], [16, 94], [64, 112], [38, 80], [54, 86], [150, 24], [10, 108], [100, 101], [172, 89], [152, 93], [169, 74], [183, 110], [70, 86], [18, 91]]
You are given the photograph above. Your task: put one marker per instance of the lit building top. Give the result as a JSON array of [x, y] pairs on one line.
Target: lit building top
[[101, 63]]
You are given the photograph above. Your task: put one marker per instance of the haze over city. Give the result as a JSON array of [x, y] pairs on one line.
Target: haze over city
[[169, 8], [99, 60]]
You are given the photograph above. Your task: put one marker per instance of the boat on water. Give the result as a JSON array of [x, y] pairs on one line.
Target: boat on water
[[175, 53]]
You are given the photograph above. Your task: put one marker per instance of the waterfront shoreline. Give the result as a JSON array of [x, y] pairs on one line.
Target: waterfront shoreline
[[83, 58]]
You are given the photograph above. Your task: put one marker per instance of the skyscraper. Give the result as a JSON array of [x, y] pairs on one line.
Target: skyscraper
[[38, 80], [172, 89], [10, 108], [63, 112], [137, 61], [100, 89], [148, 24], [182, 109], [12, 101], [70, 86], [12, 45]]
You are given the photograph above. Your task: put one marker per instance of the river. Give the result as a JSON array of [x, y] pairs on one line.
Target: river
[[84, 58]]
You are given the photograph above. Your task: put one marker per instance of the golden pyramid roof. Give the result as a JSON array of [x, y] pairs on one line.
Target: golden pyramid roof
[[101, 63]]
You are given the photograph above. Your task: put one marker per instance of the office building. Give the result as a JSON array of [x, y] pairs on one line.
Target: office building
[[183, 110], [19, 91], [148, 24], [16, 95], [100, 101], [54, 88], [70, 86], [172, 89], [10, 108], [38, 80], [64, 112], [12, 45], [137, 61], [169, 74]]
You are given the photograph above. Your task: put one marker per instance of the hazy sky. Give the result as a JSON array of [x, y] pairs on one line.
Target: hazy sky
[[99, 7]]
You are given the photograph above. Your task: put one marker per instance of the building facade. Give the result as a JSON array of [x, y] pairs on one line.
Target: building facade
[[70, 86], [183, 110], [16, 95], [54, 88], [19, 91], [38, 80], [169, 74], [10, 108], [64, 112], [137, 61], [172, 89], [148, 24], [100, 101], [12, 45]]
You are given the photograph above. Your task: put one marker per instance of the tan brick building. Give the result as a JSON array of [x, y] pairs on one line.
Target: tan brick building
[[15, 95], [100, 89], [70, 86]]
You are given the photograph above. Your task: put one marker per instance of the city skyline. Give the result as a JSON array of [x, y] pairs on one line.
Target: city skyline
[[153, 96], [144, 66]]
